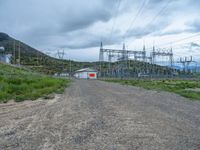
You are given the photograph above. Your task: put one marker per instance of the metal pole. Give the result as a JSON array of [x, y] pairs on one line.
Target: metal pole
[[14, 61], [19, 55]]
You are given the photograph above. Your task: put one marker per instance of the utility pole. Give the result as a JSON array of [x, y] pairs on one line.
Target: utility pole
[[14, 57], [144, 53], [19, 54], [61, 56], [70, 67], [101, 58], [37, 59], [186, 62]]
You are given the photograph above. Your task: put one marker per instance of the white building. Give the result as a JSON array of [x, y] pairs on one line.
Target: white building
[[2, 49], [6, 58], [86, 73]]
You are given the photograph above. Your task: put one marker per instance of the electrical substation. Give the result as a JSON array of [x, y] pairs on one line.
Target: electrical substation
[[125, 63]]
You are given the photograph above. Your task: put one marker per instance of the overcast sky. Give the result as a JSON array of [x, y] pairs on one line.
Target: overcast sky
[[78, 26]]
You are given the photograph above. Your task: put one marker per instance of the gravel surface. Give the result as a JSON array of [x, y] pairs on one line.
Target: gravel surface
[[98, 115]]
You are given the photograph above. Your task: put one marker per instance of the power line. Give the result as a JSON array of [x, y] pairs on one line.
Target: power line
[[160, 12], [114, 22], [184, 43], [170, 43], [135, 18], [177, 41]]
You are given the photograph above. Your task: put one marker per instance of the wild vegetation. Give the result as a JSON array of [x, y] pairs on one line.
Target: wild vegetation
[[186, 88], [20, 84]]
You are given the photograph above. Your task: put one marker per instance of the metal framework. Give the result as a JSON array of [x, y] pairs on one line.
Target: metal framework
[[123, 54], [120, 54], [60, 54], [122, 57], [168, 53], [186, 63]]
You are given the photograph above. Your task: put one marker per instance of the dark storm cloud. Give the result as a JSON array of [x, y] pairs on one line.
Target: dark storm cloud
[[38, 20], [86, 20], [81, 24], [149, 29], [92, 12], [194, 45], [43, 18], [93, 40]]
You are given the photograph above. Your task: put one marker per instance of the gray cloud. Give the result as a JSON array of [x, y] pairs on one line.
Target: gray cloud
[[96, 11], [93, 40], [194, 26], [82, 24], [192, 44], [149, 29]]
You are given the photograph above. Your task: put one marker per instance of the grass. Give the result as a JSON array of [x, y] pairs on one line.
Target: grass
[[20, 84], [186, 88]]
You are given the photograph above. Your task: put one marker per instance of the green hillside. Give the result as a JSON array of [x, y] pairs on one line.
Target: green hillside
[[40, 62], [21, 84], [36, 60]]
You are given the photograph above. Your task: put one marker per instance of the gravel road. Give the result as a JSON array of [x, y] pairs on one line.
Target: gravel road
[[98, 115]]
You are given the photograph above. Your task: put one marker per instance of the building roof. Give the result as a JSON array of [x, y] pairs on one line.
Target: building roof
[[86, 70], [2, 49]]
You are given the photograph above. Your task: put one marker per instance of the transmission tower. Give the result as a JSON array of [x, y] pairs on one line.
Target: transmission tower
[[60, 54], [121, 56], [168, 53], [186, 63]]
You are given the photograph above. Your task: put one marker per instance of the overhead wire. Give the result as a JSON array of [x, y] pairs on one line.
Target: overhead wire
[[160, 12], [179, 40], [141, 8], [173, 43], [114, 21], [156, 15]]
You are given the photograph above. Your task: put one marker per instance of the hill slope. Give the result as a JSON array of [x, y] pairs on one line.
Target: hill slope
[[20, 84], [41, 62], [30, 57], [37, 60]]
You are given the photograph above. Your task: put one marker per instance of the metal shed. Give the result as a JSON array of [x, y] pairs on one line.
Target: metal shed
[[86, 73]]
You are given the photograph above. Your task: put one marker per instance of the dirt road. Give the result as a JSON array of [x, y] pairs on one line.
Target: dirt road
[[98, 115]]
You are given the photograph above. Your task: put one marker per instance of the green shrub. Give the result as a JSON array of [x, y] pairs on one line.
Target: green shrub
[[175, 86], [21, 85]]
